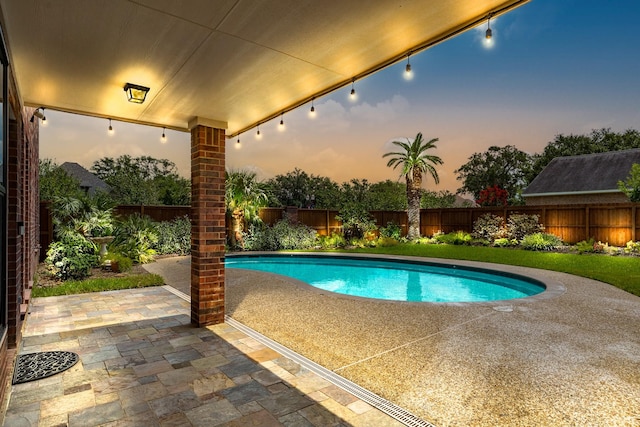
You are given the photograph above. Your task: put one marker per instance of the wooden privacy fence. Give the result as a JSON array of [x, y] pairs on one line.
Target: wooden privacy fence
[[615, 224]]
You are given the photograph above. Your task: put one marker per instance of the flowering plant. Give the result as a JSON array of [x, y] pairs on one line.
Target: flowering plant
[[493, 196]]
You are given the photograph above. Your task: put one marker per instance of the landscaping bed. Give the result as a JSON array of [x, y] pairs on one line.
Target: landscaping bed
[[100, 279]]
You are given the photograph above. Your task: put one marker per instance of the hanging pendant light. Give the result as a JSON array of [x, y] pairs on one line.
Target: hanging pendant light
[[488, 34], [312, 111]]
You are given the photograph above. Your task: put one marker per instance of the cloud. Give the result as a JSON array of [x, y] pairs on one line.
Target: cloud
[[382, 112]]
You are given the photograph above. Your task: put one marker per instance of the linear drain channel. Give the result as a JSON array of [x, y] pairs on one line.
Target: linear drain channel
[[391, 409]]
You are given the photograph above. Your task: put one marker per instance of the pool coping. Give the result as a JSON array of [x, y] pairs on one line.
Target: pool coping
[[553, 288]]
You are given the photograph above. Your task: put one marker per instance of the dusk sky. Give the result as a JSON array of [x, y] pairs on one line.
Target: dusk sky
[[555, 67]]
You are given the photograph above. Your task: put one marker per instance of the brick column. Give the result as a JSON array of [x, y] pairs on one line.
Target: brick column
[[208, 232]]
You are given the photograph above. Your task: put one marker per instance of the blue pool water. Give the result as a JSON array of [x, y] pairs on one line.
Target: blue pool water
[[393, 280]]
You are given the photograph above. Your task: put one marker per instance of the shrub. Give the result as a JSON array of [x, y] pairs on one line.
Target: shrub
[[632, 247], [385, 242], [504, 242], [333, 241], [540, 242], [588, 246], [479, 242], [423, 241], [631, 187], [290, 235], [95, 222], [72, 257], [454, 238], [174, 237], [135, 238], [283, 235], [520, 225], [392, 230], [118, 261], [258, 238], [356, 221], [489, 227]]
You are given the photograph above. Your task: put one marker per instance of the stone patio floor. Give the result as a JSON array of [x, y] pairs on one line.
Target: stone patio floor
[[143, 364]]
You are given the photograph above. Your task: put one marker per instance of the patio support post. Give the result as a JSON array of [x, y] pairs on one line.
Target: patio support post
[[208, 232]]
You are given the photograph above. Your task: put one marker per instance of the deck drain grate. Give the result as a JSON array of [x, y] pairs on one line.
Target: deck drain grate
[[35, 366], [391, 409]]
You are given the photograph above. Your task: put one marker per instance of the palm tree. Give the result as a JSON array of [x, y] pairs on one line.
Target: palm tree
[[415, 161], [244, 196]]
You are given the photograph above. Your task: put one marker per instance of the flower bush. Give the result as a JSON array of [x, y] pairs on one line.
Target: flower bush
[[489, 227], [493, 196]]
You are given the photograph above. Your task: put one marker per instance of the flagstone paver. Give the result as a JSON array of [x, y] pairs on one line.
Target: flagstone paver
[[143, 364]]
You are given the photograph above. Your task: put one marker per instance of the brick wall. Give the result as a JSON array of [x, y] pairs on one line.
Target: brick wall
[[15, 269], [22, 225], [207, 225]]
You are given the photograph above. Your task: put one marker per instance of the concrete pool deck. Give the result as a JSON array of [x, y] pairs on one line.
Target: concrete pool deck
[[567, 358]]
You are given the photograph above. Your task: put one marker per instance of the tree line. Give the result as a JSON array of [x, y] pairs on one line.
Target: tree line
[[495, 176], [132, 180], [512, 170]]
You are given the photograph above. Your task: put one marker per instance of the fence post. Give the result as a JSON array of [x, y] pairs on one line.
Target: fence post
[[634, 212], [327, 223], [587, 223]]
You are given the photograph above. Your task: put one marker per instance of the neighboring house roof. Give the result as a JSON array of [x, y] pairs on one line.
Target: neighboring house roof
[[588, 173], [88, 181], [461, 202]]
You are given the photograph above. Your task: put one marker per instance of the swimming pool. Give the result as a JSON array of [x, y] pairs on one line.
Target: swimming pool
[[397, 280]]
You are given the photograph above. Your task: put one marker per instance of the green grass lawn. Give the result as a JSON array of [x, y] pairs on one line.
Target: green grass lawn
[[98, 284], [620, 271]]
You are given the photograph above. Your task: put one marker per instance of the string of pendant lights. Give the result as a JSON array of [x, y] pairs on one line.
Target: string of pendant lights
[[408, 70], [163, 137]]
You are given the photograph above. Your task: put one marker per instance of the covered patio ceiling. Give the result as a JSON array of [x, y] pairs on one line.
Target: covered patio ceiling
[[231, 63]]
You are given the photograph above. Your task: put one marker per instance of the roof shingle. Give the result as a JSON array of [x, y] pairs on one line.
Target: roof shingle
[[585, 173], [86, 178]]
